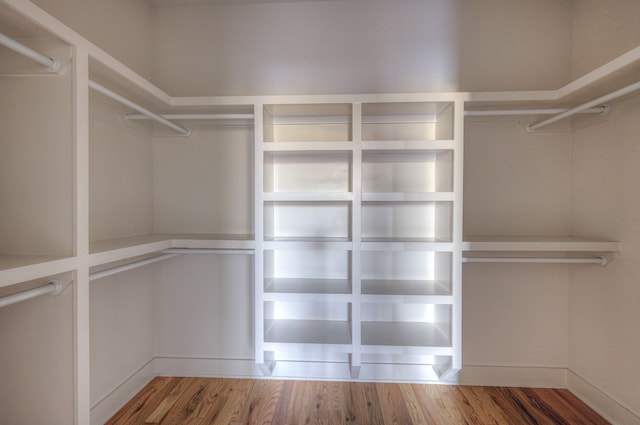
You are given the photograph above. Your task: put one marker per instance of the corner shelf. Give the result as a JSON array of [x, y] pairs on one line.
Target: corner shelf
[[540, 249], [108, 251]]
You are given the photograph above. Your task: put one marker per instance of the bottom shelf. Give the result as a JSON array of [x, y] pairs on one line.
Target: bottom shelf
[[333, 332], [382, 336]]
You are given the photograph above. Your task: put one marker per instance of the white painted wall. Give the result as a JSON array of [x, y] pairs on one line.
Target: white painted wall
[[602, 31], [204, 183], [122, 28], [36, 359], [604, 315], [121, 329], [515, 183], [361, 46], [604, 342], [36, 205], [203, 307], [121, 172]]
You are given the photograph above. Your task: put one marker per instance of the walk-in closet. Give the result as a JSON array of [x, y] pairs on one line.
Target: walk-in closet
[[432, 192]]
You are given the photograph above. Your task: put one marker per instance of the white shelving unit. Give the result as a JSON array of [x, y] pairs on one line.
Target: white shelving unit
[[361, 220]]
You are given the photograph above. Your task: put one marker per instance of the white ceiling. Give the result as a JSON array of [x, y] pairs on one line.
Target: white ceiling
[[173, 3]]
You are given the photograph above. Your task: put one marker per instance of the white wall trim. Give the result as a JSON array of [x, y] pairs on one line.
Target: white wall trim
[[535, 377], [203, 367], [512, 376], [609, 408], [106, 407]]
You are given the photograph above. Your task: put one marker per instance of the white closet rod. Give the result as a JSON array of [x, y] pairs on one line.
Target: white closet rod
[[115, 96], [602, 261], [52, 64], [54, 288], [208, 251], [515, 112], [135, 264], [131, 116], [599, 101]]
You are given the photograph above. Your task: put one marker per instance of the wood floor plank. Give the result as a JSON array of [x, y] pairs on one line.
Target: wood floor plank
[[237, 397], [392, 404], [167, 403], [147, 400], [358, 408], [214, 401], [412, 404]]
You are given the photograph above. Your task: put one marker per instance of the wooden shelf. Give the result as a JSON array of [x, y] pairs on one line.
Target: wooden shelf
[[307, 196], [405, 288], [406, 145], [107, 251], [330, 332], [308, 290], [307, 286], [23, 268], [307, 146], [407, 196], [403, 334]]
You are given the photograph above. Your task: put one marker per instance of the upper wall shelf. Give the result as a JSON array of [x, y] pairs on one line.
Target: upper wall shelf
[[103, 252], [537, 243], [616, 74], [538, 249]]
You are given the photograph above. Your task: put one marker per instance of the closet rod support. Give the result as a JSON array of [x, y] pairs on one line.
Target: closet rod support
[[53, 288], [595, 102], [126, 102], [601, 261], [52, 64], [129, 266], [131, 116]]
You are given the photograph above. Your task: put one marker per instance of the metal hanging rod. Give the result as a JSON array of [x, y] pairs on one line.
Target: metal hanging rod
[[129, 266], [52, 64], [181, 251], [131, 116], [578, 109], [601, 261], [115, 96], [516, 112], [54, 288]]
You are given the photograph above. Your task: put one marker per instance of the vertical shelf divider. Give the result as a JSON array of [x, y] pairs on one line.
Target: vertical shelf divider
[[356, 234], [264, 363], [457, 237], [81, 301]]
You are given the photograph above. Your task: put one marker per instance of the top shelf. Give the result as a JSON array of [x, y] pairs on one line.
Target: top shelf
[[381, 122]]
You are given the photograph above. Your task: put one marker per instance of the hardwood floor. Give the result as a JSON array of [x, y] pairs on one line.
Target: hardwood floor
[[204, 401]]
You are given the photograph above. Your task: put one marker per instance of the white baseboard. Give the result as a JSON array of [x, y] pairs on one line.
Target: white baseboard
[[104, 409], [545, 377], [222, 368], [605, 405], [512, 376]]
